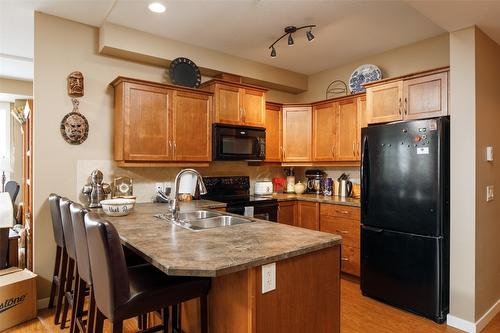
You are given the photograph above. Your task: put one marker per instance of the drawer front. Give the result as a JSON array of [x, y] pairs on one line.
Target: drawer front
[[348, 229], [341, 211], [350, 260]]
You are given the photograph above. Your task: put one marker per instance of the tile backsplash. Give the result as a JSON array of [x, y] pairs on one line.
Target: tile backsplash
[[144, 179]]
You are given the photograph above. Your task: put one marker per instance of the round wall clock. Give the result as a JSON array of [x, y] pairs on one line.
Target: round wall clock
[[184, 72]]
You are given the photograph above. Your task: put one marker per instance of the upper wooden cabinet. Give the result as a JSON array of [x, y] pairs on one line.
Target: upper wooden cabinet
[[337, 129], [417, 96], [161, 123], [297, 133], [237, 104], [274, 146]]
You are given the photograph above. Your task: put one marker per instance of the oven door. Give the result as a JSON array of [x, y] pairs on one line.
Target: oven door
[[238, 143], [263, 211]]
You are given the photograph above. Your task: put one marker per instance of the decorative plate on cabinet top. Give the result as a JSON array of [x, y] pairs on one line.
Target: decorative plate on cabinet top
[[184, 72], [363, 74]]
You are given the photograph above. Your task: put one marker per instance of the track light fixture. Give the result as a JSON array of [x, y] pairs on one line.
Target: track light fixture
[[289, 31]]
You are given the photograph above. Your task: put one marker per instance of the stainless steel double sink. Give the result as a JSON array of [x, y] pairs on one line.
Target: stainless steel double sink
[[204, 219]]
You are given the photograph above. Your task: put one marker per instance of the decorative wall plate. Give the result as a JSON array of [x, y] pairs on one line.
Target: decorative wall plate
[[184, 72], [74, 128], [363, 74]]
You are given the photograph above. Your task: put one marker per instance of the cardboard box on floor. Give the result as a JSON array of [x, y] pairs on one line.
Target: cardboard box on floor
[[17, 297]]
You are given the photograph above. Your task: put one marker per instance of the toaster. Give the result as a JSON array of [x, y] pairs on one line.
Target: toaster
[[263, 187]]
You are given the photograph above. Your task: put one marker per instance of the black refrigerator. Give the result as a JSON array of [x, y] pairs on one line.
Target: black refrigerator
[[405, 215]]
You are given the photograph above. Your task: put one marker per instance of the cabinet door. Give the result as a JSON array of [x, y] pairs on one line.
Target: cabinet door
[[191, 135], [426, 97], [228, 105], [146, 123], [297, 139], [323, 148], [347, 131], [308, 215], [384, 102], [273, 133], [286, 212], [253, 107]]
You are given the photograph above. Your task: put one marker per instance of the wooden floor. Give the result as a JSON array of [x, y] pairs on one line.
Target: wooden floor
[[359, 315]]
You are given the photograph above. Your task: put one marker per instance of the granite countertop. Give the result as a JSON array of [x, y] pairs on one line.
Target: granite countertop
[[354, 202], [217, 251]]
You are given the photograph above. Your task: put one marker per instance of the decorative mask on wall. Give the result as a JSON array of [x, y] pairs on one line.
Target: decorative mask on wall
[[75, 84], [74, 126]]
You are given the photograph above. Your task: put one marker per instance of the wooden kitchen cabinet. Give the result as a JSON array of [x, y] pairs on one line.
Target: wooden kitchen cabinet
[[384, 102], [308, 215], [415, 96], [297, 133], [237, 103], [324, 131], [274, 147], [344, 221], [348, 124], [426, 97], [287, 212], [154, 123], [191, 120]]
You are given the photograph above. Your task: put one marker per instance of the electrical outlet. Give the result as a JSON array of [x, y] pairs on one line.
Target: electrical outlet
[[489, 193], [159, 187], [268, 277]]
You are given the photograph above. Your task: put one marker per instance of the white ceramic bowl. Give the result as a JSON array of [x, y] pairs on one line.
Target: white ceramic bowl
[[117, 207]]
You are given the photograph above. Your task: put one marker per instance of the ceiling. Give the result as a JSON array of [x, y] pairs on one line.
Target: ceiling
[[347, 29]]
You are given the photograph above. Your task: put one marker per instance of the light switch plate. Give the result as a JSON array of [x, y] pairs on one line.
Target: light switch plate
[[268, 277], [489, 193], [489, 154]]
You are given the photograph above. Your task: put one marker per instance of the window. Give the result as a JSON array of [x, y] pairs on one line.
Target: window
[[5, 132]]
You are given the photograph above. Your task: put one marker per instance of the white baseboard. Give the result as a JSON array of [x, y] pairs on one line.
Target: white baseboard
[[461, 324], [488, 316], [479, 325], [42, 303]]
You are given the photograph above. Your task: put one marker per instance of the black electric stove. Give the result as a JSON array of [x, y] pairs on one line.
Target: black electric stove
[[235, 192]]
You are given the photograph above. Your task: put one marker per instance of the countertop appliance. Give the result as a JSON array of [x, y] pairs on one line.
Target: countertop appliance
[[235, 191], [405, 225], [315, 180], [238, 143], [263, 187]]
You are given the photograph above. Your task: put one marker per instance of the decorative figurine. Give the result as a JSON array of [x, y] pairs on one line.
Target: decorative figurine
[[75, 84], [96, 190], [74, 126]]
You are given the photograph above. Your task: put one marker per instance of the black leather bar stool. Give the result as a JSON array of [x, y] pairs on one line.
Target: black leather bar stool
[[72, 275], [85, 279], [61, 262], [122, 293]]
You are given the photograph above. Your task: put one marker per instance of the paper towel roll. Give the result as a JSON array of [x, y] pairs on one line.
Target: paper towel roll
[[6, 211], [187, 183]]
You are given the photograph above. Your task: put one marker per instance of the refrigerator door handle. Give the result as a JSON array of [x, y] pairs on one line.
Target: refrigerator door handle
[[377, 230], [365, 174]]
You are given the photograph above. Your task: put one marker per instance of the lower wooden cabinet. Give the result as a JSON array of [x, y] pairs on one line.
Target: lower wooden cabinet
[[344, 221], [308, 215], [287, 212]]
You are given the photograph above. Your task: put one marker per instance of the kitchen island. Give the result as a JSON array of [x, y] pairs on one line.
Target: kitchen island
[[307, 294]]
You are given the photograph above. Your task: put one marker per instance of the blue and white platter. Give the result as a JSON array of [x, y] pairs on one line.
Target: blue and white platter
[[363, 74]]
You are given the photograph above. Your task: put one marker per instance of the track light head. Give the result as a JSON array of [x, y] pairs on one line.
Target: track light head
[[309, 35], [273, 52], [290, 40]]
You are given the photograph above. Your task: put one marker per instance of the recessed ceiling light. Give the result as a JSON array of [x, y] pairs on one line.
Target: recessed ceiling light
[[156, 7]]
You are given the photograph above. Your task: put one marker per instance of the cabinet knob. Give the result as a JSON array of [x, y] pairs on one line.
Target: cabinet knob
[[342, 211], [345, 259], [406, 106], [342, 232]]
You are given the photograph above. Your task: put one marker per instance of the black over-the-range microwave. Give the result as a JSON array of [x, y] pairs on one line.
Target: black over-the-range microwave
[[238, 143]]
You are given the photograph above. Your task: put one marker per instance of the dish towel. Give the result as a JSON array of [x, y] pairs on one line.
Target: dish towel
[[6, 211], [248, 211]]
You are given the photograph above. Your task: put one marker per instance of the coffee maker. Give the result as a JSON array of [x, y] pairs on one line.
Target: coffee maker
[[315, 179]]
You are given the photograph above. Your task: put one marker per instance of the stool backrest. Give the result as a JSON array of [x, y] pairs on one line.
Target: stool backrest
[[69, 235], [107, 265], [78, 213], [12, 187], [55, 212]]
